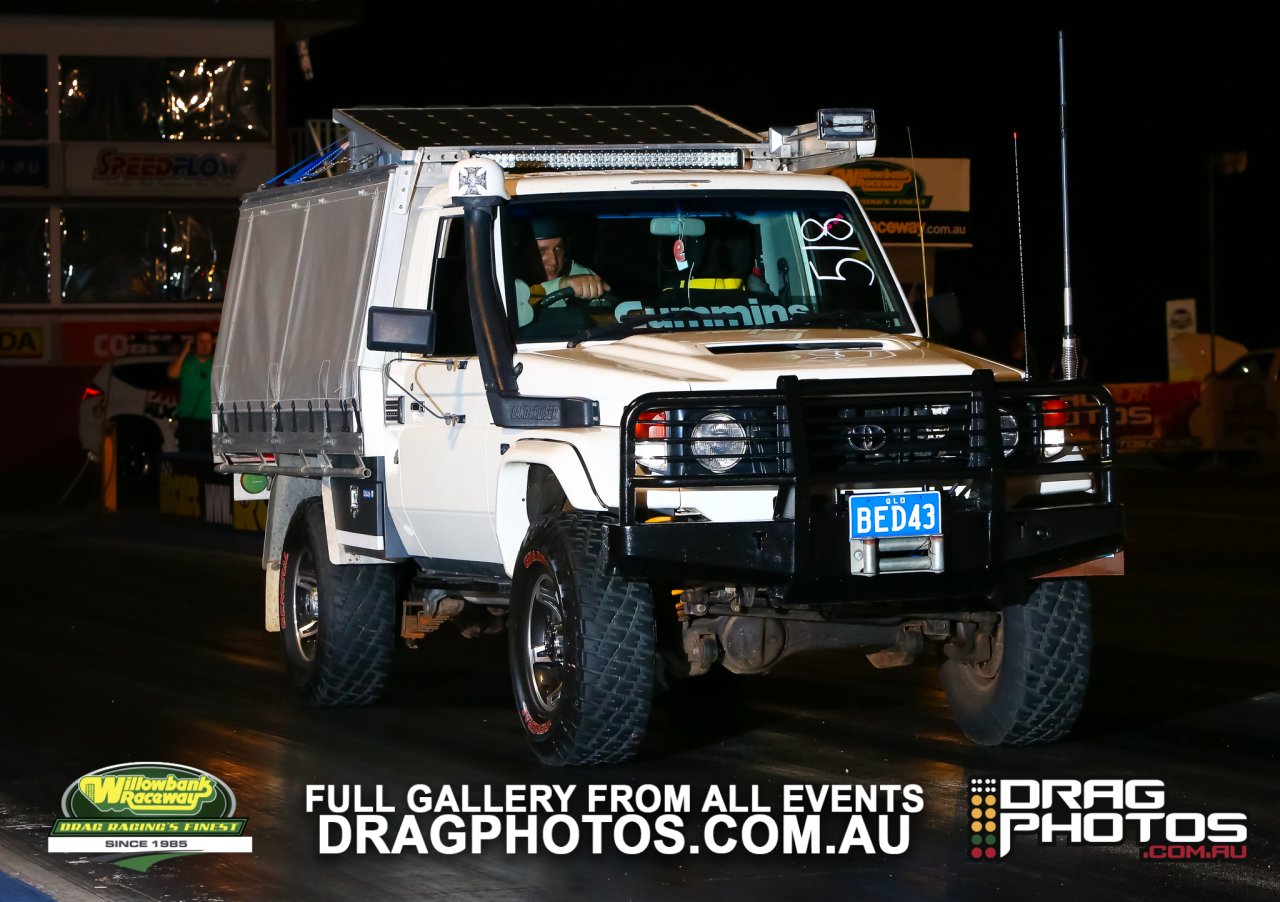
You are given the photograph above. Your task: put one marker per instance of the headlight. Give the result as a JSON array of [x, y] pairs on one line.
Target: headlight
[[719, 442], [1008, 432]]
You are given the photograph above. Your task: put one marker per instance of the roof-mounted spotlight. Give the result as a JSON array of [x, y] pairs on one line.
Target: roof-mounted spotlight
[[846, 125]]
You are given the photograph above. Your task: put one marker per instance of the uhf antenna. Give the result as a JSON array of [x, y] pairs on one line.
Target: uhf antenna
[[1068, 323], [1022, 269], [924, 261]]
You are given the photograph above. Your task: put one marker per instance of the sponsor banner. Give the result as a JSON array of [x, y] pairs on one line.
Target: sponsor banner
[[666, 819], [98, 341], [997, 817], [23, 343], [900, 193], [190, 488], [24, 166], [1004, 814], [949, 229], [165, 170], [892, 183], [145, 812], [1155, 416]]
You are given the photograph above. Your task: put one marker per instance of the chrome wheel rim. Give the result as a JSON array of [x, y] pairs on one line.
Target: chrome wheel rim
[[544, 645], [306, 604]]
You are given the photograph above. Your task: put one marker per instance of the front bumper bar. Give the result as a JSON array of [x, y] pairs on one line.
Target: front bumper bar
[[804, 551], [768, 553]]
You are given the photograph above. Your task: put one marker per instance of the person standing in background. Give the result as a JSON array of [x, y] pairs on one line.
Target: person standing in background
[[192, 369]]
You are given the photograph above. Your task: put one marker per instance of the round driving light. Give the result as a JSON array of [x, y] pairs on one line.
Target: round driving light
[[719, 442]]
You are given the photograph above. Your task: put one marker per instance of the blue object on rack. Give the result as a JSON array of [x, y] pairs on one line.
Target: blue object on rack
[[300, 172]]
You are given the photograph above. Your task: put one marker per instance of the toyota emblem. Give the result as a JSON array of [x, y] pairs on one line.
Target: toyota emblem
[[867, 437]]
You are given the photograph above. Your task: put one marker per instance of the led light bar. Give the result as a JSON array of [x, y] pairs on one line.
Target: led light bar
[[631, 158]]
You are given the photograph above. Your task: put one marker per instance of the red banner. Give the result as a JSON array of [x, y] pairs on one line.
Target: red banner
[[1153, 416], [103, 340]]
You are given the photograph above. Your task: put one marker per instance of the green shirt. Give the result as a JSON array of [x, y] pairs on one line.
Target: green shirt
[[195, 401]]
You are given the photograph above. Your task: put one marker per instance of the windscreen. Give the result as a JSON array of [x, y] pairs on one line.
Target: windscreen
[[689, 262]]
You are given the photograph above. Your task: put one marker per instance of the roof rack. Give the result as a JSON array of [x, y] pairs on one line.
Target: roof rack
[[534, 138]]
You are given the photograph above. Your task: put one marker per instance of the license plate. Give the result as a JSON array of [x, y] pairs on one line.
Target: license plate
[[891, 516]]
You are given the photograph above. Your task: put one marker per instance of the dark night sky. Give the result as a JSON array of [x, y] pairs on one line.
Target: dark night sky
[[1151, 93]]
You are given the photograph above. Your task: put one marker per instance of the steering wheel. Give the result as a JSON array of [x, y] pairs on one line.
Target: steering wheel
[[562, 294]]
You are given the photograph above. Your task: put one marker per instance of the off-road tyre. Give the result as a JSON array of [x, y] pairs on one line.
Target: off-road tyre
[[137, 459], [1032, 688], [338, 650], [589, 700]]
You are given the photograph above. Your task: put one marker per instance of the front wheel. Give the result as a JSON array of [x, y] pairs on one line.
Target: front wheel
[[581, 642], [337, 621], [1030, 689]]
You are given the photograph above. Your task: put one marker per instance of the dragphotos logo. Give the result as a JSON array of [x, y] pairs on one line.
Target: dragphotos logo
[[1098, 812]]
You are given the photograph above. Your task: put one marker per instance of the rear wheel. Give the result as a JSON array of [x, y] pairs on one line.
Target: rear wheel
[[137, 458], [337, 621], [581, 642], [1031, 687]]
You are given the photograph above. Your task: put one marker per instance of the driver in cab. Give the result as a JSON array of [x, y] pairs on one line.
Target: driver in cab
[[564, 277]]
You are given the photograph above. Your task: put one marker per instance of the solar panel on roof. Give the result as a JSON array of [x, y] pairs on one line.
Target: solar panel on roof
[[522, 126]]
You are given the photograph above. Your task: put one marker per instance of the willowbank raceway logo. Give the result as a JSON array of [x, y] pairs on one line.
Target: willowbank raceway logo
[[1099, 813], [142, 813]]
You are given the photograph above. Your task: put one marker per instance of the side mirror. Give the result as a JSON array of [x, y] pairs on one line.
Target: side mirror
[[403, 330]]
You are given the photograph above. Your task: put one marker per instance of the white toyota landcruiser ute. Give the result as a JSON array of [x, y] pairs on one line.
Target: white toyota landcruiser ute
[[743, 449]]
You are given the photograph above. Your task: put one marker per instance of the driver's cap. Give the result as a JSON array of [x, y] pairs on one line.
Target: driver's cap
[[548, 227]]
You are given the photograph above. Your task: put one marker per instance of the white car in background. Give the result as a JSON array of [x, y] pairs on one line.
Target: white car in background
[[1239, 409], [137, 395]]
